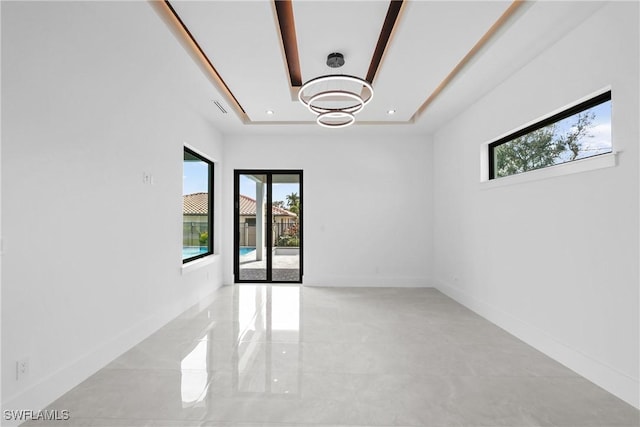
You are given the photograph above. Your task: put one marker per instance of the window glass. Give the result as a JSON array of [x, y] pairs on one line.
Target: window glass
[[576, 133], [197, 186]]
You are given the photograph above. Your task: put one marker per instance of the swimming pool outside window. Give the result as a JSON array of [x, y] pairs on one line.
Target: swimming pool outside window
[[197, 206]]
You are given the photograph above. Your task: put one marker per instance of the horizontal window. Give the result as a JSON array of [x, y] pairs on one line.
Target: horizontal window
[[579, 132], [197, 206]]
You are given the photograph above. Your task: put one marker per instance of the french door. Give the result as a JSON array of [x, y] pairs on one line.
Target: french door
[[268, 226]]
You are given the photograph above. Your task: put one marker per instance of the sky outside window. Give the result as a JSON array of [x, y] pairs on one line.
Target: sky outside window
[[195, 177]]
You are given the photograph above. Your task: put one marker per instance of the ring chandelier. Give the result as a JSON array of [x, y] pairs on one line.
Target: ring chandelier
[[335, 99]]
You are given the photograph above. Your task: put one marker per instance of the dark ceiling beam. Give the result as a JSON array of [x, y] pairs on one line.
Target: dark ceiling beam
[[286, 21], [385, 34]]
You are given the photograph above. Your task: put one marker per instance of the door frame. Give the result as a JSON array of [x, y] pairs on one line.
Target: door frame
[[269, 220]]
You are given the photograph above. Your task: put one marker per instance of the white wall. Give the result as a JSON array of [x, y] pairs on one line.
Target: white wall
[[554, 261], [1, 240], [367, 204], [93, 93]]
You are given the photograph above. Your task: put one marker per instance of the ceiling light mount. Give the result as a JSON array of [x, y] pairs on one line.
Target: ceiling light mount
[[335, 98], [335, 60]]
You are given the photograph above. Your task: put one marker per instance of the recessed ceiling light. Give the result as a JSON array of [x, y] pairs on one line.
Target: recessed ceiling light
[[269, 112], [390, 112]]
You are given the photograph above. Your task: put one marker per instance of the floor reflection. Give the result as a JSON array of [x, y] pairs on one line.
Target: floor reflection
[[372, 356], [195, 375], [256, 350], [268, 354]]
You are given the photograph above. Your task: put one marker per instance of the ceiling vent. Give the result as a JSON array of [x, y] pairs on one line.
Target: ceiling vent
[[219, 105]]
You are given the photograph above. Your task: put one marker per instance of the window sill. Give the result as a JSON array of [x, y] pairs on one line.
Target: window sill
[[577, 166], [199, 263]]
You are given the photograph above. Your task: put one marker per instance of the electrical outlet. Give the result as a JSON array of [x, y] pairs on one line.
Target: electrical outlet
[[22, 368]]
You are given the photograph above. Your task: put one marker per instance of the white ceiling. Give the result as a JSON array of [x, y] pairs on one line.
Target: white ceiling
[[242, 41]]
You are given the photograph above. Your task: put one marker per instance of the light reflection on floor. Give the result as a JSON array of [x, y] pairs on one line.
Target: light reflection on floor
[[269, 321], [270, 355]]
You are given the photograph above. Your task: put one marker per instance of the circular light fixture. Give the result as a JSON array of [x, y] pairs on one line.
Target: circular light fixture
[[335, 98], [391, 112], [335, 80], [335, 95], [335, 119], [269, 112]]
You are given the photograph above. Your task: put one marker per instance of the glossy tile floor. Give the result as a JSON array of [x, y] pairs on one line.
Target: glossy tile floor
[[290, 355]]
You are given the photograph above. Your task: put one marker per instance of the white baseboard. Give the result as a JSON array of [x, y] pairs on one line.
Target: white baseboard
[[601, 374], [64, 379], [366, 281], [51, 387]]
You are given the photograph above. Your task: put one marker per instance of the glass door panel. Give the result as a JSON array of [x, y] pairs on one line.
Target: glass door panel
[[268, 226], [285, 222], [251, 221]]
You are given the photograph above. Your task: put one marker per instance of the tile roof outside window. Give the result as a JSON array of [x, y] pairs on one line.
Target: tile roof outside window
[[196, 204], [248, 208]]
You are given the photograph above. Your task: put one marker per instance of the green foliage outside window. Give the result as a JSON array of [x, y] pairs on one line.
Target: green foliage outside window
[[580, 132]]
